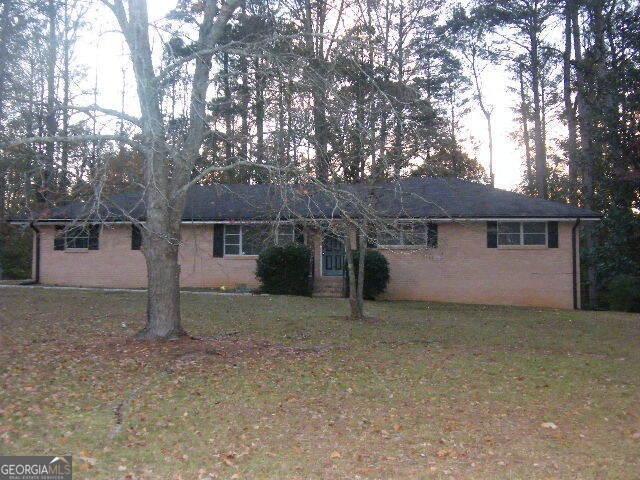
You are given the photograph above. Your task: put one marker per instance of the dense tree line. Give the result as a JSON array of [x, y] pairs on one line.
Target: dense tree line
[[346, 91], [576, 70]]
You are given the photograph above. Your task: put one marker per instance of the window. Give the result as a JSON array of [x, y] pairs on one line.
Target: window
[[84, 237], [522, 233], [77, 237], [409, 234], [285, 234], [232, 240], [252, 239]]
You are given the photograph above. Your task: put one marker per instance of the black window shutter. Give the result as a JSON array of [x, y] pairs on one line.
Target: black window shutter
[[218, 240], [299, 233], [432, 235], [552, 229], [94, 237], [492, 234], [58, 240], [136, 237]]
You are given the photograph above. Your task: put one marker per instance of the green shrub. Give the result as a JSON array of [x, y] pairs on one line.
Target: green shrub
[[376, 273], [623, 293], [284, 270]]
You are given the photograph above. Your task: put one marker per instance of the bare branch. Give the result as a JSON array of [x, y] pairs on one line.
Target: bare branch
[[226, 168], [106, 111], [73, 139]]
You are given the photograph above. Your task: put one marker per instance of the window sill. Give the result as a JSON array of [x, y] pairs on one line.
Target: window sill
[[405, 247], [76, 250], [240, 257], [522, 247]]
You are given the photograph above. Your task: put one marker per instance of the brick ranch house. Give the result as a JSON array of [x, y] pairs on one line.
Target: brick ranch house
[[448, 240]]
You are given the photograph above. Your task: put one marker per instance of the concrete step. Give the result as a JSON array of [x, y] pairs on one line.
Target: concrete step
[[327, 294], [328, 288]]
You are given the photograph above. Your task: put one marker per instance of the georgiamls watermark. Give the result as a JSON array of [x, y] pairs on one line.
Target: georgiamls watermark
[[35, 467]]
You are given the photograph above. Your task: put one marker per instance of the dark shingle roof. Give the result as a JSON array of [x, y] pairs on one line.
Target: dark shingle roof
[[408, 198]]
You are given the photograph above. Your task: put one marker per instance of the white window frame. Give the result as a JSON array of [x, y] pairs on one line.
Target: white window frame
[[241, 238], [402, 237], [522, 234]]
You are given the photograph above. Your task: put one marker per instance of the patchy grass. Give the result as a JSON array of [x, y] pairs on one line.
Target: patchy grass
[[282, 387]]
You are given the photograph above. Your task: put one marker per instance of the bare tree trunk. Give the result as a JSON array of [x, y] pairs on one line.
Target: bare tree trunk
[[228, 120], [362, 252], [355, 305], [244, 111], [64, 153], [259, 112], [166, 175], [539, 144], [379, 169], [5, 22], [572, 147], [50, 122], [524, 114], [315, 52], [163, 277], [398, 141], [586, 120]]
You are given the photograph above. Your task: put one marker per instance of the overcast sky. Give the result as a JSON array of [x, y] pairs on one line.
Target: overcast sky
[[102, 52]]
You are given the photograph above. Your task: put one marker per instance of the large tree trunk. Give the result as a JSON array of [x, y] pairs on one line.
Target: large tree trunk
[[163, 277], [167, 176]]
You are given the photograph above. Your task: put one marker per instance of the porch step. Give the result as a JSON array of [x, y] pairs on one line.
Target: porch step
[[324, 287]]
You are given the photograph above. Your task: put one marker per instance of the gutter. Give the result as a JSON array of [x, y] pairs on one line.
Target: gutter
[[574, 265], [35, 280], [63, 221]]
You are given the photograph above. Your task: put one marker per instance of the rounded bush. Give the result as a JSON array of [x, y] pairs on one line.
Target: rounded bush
[[376, 273], [623, 293], [284, 270]]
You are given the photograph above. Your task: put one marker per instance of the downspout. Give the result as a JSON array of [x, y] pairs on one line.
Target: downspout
[[36, 280], [574, 238]]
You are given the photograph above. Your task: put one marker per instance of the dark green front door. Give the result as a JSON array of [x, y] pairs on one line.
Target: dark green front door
[[332, 256]]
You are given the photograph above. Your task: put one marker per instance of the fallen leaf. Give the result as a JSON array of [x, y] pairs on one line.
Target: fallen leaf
[[335, 455], [443, 453], [550, 425]]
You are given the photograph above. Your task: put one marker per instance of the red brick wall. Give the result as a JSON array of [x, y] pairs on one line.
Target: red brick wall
[[116, 265], [462, 269]]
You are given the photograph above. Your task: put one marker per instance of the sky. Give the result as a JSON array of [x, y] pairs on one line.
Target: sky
[[102, 52]]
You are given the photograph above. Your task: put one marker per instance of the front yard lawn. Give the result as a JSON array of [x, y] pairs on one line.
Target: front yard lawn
[[284, 387]]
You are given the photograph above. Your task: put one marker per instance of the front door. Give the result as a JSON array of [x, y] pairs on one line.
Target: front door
[[332, 256]]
